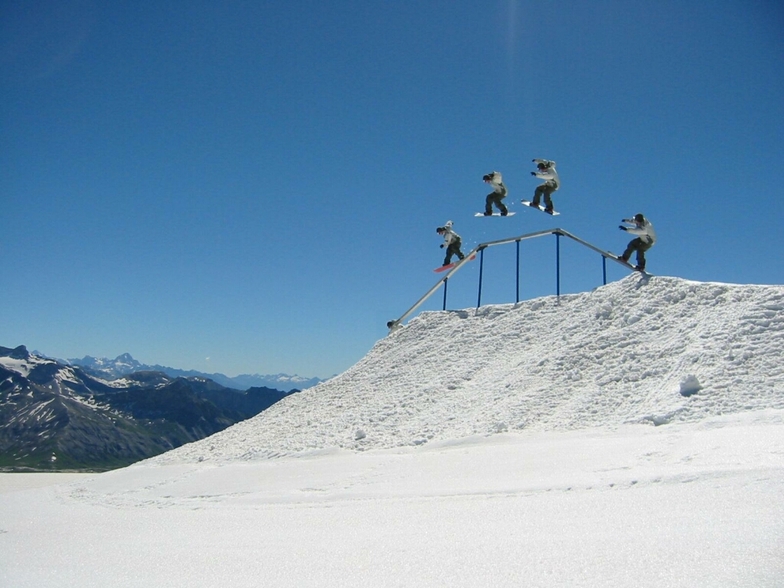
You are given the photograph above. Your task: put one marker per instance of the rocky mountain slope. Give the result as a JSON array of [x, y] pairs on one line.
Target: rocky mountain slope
[[55, 416]]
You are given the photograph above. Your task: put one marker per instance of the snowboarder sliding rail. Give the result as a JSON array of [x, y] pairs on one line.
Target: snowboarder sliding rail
[[545, 170], [452, 242], [645, 239]]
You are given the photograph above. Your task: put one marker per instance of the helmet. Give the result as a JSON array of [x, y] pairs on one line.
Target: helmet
[[639, 217], [541, 165], [440, 230]]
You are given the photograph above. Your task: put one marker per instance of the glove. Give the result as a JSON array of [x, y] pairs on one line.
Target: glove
[[441, 246], [533, 173], [533, 160], [622, 227]]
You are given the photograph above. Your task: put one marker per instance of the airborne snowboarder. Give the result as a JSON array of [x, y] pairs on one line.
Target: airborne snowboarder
[[545, 170], [495, 180]]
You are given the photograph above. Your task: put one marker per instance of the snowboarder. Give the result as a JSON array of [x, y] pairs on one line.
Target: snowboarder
[[452, 242], [545, 170], [497, 195], [645, 239]]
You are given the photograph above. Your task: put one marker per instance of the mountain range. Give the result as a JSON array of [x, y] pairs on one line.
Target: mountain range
[[125, 364], [55, 416]]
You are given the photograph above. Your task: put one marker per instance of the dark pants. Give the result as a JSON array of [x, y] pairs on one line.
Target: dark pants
[[453, 249], [640, 246], [544, 190], [495, 198]]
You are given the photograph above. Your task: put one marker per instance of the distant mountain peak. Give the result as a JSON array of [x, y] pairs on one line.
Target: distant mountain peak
[[125, 364], [16, 353]]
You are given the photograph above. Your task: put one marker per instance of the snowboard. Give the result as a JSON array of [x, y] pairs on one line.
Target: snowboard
[[510, 213], [540, 207], [630, 266], [449, 266]]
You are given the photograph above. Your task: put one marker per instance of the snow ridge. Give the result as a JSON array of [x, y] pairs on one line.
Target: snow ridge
[[642, 350]]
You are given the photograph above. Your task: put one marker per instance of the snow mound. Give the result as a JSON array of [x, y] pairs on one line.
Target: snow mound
[[642, 350]]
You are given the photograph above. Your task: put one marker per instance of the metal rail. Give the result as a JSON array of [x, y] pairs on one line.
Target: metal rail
[[479, 249]]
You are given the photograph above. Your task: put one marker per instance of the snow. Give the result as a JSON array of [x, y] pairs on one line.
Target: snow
[[629, 436], [22, 366]]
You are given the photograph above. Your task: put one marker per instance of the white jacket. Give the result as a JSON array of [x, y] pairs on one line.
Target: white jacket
[[644, 230], [549, 174], [449, 235], [497, 183]]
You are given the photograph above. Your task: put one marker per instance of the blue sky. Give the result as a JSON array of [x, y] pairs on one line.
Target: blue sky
[[254, 187]]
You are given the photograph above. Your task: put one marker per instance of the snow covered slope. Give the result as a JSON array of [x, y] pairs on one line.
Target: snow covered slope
[[643, 350], [578, 488]]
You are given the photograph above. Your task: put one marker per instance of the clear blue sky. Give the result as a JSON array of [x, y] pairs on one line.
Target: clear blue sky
[[247, 186]]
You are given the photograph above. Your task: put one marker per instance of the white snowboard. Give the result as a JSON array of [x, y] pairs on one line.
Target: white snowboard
[[540, 207]]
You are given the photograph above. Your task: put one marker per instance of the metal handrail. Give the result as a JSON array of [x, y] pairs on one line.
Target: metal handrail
[[482, 246]]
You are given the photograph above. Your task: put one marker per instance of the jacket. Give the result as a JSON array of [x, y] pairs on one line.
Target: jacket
[[643, 230], [449, 235], [549, 174], [497, 183]]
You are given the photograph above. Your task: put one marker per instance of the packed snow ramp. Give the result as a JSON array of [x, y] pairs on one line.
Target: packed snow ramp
[[647, 351]]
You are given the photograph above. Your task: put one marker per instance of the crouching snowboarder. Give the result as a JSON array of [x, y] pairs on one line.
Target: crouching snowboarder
[[496, 197], [645, 239], [452, 242], [545, 170]]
